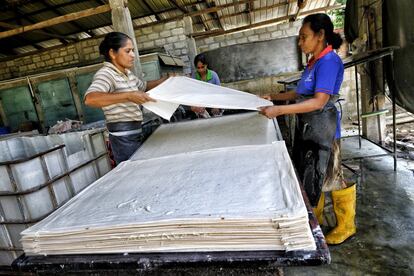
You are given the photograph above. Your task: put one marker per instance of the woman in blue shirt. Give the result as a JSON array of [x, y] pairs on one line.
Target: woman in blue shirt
[[316, 151]]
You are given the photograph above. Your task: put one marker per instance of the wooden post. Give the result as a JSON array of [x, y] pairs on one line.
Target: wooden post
[[76, 95], [3, 117], [122, 22], [38, 107], [192, 49], [372, 91]]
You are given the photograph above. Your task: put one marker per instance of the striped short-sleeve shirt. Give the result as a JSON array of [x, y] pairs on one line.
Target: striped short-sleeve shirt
[[110, 79]]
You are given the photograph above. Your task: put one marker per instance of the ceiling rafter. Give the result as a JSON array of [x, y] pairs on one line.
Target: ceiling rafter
[[152, 10], [22, 15], [206, 27], [12, 26], [75, 24], [249, 8], [175, 4], [57, 20], [260, 24], [288, 7], [186, 12], [48, 9], [253, 10], [217, 16]]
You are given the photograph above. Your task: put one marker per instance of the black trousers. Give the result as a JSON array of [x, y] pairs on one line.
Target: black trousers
[[314, 137], [124, 146]]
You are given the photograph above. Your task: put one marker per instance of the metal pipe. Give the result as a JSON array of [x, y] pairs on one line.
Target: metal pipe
[[357, 98]]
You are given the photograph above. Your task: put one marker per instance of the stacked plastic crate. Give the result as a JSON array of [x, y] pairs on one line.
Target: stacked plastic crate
[[39, 174]]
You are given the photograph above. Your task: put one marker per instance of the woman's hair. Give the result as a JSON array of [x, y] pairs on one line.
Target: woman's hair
[[321, 21], [113, 40], [200, 58]]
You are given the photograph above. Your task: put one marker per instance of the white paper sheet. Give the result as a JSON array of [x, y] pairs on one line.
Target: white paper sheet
[[194, 135], [186, 91], [235, 198]]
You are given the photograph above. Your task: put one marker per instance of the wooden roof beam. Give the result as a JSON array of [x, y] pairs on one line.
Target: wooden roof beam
[[195, 13], [12, 26], [201, 17], [151, 10], [78, 26], [301, 4], [175, 4], [249, 9], [217, 17], [48, 9], [21, 15], [56, 20], [263, 23], [254, 10], [186, 12]]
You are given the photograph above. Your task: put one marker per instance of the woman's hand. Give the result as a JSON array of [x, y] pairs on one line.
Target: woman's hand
[[271, 111], [139, 97]]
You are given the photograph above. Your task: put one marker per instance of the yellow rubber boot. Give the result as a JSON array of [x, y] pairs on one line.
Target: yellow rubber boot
[[318, 211], [344, 203]]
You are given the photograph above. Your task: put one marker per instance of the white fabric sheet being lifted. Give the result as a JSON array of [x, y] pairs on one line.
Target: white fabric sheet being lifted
[[235, 198], [186, 91]]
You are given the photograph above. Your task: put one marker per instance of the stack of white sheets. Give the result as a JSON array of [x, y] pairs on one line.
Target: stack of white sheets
[[222, 199]]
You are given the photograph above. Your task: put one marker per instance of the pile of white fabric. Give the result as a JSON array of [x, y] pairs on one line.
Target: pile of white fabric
[[223, 199]]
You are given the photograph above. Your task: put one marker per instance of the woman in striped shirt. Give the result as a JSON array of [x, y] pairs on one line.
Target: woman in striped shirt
[[119, 93]]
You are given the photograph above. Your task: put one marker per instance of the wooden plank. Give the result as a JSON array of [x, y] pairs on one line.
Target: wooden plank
[[59, 13], [175, 4], [263, 23], [152, 10], [57, 20], [122, 22], [251, 11], [12, 26]]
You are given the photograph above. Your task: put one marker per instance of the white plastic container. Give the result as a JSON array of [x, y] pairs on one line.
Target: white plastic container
[[39, 174]]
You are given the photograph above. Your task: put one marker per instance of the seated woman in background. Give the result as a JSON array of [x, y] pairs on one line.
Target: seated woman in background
[[202, 73]]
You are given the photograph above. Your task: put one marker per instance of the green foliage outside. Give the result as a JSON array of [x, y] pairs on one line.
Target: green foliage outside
[[338, 15]]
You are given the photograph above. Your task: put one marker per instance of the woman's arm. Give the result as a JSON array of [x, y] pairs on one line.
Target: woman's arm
[[102, 99], [154, 83], [287, 96], [315, 103]]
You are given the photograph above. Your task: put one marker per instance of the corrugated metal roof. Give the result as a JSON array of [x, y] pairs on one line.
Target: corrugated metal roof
[[49, 43], [143, 12]]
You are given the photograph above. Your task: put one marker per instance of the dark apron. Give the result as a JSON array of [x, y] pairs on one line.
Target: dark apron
[[314, 135], [125, 139]]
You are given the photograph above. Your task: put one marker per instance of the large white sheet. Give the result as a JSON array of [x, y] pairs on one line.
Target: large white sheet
[[195, 135], [186, 91]]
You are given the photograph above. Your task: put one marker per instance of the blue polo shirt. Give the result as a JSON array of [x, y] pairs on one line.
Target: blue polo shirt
[[324, 75]]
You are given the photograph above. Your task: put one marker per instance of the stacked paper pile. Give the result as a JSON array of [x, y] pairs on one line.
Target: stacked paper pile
[[220, 199]]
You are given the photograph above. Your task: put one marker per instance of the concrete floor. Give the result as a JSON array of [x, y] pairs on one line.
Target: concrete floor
[[384, 243]]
